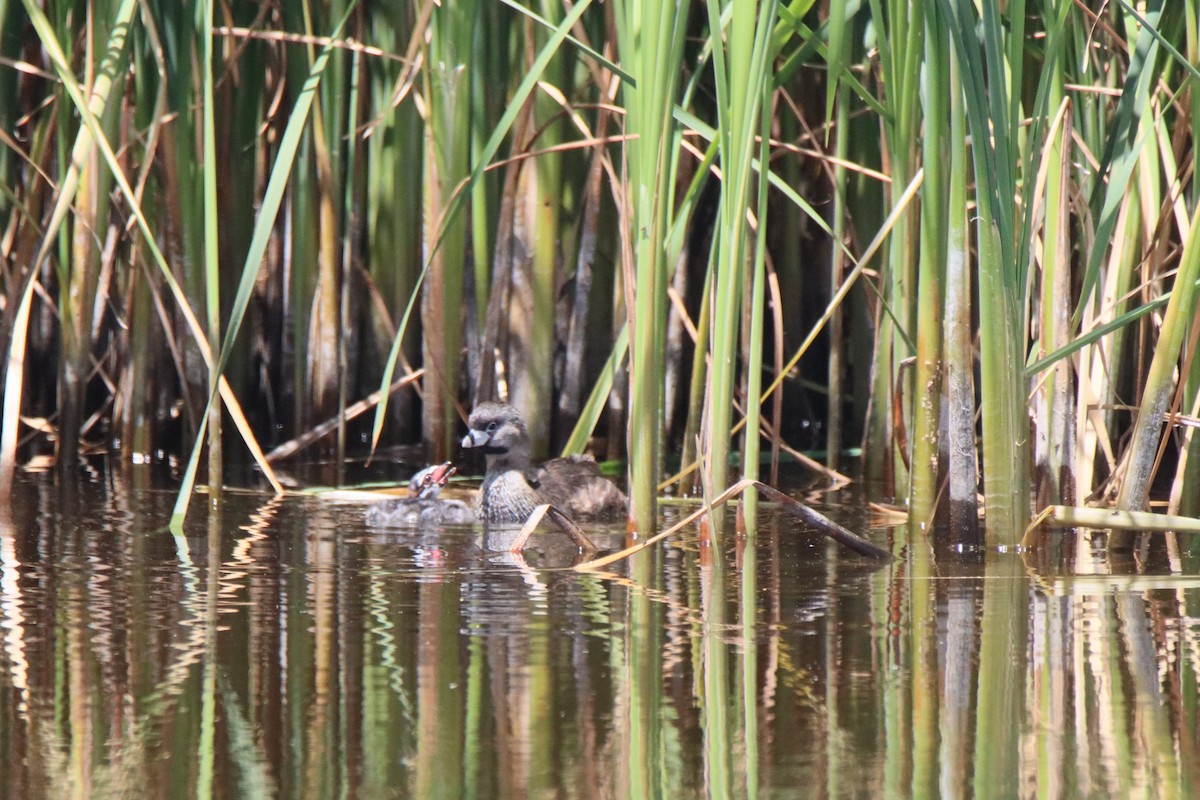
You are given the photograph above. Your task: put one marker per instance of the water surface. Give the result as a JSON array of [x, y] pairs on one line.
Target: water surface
[[281, 649]]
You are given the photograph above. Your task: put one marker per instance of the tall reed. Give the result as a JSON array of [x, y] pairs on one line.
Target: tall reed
[[927, 446], [651, 38], [450, 82], [739, 65], [959, 401]]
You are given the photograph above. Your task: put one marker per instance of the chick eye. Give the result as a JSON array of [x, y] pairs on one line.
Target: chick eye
[[491, 428]]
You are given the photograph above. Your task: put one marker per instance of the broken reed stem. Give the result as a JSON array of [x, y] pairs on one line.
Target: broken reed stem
[[1112, 518], [328, 426], [558, 518], [792, 506]]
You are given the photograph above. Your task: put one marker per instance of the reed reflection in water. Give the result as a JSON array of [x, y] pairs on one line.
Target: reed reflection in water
[[282, 649]]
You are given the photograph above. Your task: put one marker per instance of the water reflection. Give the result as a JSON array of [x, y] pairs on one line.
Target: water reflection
[[280, 648]]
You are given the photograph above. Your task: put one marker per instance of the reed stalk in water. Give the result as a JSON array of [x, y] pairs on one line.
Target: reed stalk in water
[[651, 38], [929, 371], [740, 64], [992, 106]]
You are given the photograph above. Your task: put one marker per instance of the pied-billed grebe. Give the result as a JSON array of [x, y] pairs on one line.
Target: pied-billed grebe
[[512, 487], [422, 507]]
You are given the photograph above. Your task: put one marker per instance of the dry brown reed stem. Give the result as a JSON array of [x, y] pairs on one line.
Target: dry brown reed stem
[[568, 526], [347, 43], [328, 426], [792, 506], [836, 479]]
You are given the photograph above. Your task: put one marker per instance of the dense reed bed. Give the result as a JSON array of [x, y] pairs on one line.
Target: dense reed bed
[[224, 226]]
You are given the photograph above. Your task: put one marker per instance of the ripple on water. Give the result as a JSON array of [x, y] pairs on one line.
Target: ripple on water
[[356, 657]]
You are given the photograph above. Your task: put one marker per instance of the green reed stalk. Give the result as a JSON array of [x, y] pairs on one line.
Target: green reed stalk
[[926, 446], [212, 255], [350, 192], [241, 153], [959, 338], [1055, 449], [1060, 435], [485, 193], [11, 46], [1160, 384], [651, 38], [837, 271], [78, 275], [450, 82], [837, 57], [993, 115], [741, 67], [303, 232], [900, 55], [1119, 205], [1188, 475], [184, 192], [754, 358], [1005, 430], [138, 403], [675, 245], [837, 111]]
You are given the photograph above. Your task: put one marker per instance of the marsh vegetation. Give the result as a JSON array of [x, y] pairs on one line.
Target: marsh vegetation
[[227, 225]]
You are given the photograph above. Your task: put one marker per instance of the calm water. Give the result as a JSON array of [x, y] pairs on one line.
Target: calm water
[[283, 650]]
